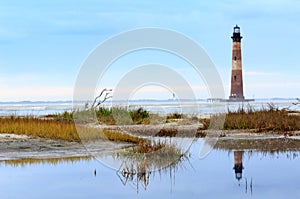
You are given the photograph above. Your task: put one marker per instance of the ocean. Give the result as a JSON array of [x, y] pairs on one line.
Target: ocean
[[39, 108]]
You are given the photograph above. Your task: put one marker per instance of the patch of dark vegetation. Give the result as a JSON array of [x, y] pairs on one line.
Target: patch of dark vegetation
[[139, 116], [170, 132], [174, 116], [201, 134], [63, 117], [103, 115], [205, 123]]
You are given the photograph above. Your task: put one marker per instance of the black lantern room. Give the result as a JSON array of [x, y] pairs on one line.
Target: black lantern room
[[236, 34]]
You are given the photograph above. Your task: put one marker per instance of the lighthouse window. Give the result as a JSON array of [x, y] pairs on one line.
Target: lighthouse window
[[235, 58], [234, 78]]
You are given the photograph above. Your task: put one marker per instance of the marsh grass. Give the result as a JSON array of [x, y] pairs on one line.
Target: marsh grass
[[266, 119], [118, 136], [172, 132], [139, 116], [61, 126], [103, 115], [205, 123], [60, 129], [173, 117], [157, 152], [45, 128], [155, 118]]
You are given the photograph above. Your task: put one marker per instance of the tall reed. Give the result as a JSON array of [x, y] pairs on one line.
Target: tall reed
[[266, 119], [59, 129], [45, 128]]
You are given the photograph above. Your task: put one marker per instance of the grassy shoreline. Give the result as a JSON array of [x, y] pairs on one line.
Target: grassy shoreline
[[268, 119], [61, 126], [53, 129]]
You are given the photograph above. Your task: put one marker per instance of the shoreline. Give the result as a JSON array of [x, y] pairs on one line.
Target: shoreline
[[190, 130], [13, 146]]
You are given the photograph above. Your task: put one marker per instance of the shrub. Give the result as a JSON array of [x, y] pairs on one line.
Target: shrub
[[138, 116], [174, 116]]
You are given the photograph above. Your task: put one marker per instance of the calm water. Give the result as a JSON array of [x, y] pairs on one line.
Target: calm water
[[261, 175], [162, 107]]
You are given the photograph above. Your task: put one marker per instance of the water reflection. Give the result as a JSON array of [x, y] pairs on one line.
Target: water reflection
[[251, 171], [45, 161], [136, 170], [269, 145], [238, 170], [274, 148], [136, 178], [238, 164]]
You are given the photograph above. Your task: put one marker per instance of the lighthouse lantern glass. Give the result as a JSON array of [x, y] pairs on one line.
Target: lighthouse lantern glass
[[236, 30]]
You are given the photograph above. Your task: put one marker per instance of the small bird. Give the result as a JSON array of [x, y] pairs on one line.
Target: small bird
[[95, 172]]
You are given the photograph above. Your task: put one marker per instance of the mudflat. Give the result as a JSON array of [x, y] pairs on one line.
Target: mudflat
[[14, 146]]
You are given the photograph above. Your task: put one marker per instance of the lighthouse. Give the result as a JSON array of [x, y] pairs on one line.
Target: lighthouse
[[236, 92]]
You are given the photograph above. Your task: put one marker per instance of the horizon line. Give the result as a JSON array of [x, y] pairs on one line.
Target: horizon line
[[137, 100]]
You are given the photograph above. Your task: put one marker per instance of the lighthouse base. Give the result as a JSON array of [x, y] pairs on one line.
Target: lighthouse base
[[214, 100], [236, 98], [239, 99]]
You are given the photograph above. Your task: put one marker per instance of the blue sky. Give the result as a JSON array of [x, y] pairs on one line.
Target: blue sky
[[44, 43]]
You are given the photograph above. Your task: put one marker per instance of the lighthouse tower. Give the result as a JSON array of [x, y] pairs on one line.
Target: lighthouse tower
[[236, 92]]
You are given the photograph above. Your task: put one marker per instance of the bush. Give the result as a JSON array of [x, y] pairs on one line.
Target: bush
[[138, 116], [174, 116]]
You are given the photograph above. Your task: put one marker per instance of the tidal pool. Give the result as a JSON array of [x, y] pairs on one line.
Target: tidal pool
[[222, 174]]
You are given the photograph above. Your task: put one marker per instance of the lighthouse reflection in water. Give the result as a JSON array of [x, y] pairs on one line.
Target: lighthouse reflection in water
[[238, 164]]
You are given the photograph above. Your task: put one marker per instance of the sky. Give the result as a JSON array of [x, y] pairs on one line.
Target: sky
[[43, 44]]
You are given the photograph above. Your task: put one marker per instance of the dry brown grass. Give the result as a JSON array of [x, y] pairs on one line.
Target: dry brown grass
[[44, 128], [53, 129], [158, 153], [266, 119], [270, 119]]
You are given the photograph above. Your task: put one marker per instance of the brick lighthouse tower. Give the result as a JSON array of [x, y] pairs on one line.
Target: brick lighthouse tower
[[236, 92]]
